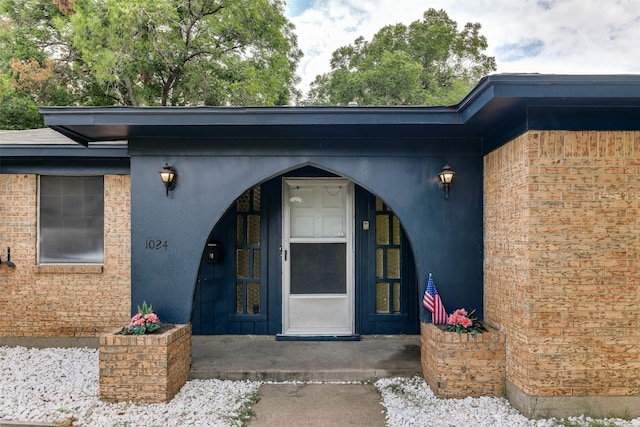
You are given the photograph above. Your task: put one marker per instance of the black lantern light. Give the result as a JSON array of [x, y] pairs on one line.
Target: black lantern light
[[446, 177], [168, 177]]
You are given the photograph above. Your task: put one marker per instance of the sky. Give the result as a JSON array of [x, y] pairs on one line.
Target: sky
[[524, 36]]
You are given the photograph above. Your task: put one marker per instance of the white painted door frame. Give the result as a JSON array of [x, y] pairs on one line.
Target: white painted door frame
[[311, 216]]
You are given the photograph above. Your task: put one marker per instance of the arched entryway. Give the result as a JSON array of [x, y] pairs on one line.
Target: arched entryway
[[244, 284]]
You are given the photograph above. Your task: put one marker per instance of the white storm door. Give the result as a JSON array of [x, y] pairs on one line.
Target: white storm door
[[317, 257]]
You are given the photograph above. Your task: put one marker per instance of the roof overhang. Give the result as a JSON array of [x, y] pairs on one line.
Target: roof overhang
[[497, 109]]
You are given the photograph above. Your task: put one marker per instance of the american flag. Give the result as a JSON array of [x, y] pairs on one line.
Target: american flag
[[433, 303]]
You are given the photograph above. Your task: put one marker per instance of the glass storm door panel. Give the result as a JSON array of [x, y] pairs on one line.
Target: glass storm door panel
[[317, 257]]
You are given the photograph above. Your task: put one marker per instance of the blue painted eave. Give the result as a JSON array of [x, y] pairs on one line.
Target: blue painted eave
[[498, 108], [64, 159]]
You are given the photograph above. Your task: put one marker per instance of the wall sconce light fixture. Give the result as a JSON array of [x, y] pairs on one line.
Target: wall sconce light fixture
[[8, 262], [446, 177], [168, 177]]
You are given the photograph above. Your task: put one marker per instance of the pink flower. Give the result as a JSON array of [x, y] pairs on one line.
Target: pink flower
[[453, 318], [461, 312], [143, 322], [462, 322], [152, 317], [465, 322], [459, 317]]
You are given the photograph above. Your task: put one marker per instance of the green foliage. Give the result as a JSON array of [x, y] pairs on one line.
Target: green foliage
[[428, 62], [245, 413], [179, 52], [17, 110], [27, 31], [145, 309], [150, 52], [146, 321], [27, 38], [583, 421], [462, 322]]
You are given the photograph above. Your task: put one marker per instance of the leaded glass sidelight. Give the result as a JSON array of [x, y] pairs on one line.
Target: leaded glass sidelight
[[382, 297], [388, 260], [248, 239]]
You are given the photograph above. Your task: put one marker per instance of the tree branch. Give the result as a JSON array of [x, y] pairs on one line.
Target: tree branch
[[130, 92]]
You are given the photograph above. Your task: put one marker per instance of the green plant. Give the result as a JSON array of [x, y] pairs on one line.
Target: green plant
[[583, 422], [246, 412], [462, 322], [144, 322]]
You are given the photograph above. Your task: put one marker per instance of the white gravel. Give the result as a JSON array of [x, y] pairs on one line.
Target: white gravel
[[61, 386], [410, 402]]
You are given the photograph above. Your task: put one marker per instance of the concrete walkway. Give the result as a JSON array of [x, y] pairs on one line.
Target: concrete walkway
[[265, 359], [309, 404], [318, 405]]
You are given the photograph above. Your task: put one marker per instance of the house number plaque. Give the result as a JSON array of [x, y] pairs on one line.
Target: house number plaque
[[156, 244]]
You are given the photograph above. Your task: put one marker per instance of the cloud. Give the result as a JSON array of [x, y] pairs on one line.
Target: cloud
[[529, 36], [297, 7], [545, 4], [522, 49]]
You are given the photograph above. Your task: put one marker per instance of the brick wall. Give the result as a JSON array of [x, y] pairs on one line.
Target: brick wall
[[148, 368], [62, 301], [460, 365], [562, 251]]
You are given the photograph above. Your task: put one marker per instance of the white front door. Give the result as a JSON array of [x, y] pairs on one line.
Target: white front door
[[317, 257]]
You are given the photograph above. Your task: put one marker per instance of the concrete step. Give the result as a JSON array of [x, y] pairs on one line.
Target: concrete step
[[264, 358]]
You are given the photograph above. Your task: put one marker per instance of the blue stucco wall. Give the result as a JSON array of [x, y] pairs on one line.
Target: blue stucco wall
[[446, 235]]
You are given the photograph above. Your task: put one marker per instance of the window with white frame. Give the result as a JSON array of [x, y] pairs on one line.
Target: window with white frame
[[71, 227]]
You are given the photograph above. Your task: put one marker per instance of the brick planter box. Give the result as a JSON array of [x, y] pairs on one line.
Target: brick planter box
[[461, 365], [148, 368]]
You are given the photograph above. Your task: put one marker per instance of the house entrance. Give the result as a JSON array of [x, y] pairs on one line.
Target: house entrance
[[307, 254], [317, 257]]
